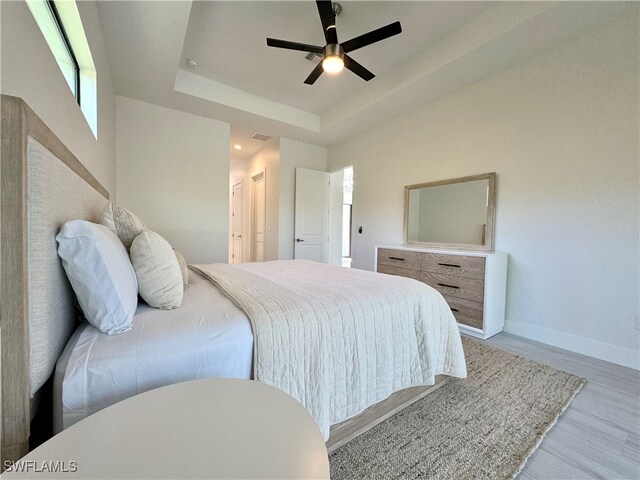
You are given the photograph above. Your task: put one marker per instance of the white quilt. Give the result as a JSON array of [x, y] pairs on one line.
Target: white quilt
[[339, 340]]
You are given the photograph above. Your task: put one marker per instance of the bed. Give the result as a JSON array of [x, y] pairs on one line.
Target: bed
[[43, 185], [207, 337]]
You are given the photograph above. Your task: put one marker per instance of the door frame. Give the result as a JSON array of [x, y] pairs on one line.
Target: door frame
[[252, 251], [337, 168]]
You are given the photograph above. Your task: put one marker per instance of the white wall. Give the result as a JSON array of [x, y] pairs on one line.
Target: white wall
[[294, 154], [29, 70], [267, 159], [173, 172], [562, 133]]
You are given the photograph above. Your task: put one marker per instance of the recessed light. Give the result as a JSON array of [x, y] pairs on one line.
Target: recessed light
[[237, 146]]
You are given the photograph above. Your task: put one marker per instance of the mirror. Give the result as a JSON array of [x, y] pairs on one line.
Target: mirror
[[456, 213]]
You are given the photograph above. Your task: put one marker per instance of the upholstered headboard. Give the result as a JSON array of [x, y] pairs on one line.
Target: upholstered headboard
[[42, 185]]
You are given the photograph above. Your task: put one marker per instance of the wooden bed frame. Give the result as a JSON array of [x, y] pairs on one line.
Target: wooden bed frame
[[346, 431], [17, 405]]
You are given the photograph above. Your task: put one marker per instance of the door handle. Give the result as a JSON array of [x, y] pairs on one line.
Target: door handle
[[299, 240], [239, 236]]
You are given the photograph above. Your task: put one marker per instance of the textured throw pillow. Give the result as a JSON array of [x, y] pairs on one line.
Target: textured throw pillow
[[158, 271], [100, 273], [122, 222], [183, 267]]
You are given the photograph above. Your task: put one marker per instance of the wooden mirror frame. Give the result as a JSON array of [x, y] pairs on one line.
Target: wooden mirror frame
[[491, 211]]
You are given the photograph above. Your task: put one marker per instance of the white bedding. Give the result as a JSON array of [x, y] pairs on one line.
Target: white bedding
[[207, 337], [339, 340]]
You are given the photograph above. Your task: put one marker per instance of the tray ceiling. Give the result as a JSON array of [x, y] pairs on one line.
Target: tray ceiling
[[444, 46]]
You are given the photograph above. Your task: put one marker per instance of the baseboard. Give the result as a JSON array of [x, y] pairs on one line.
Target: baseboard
[[626, 357]]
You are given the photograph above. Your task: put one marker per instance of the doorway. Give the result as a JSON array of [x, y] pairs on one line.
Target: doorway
[[258, 217], [341, 221]]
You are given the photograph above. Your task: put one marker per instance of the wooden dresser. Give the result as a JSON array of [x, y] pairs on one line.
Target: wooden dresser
[[473, 283]]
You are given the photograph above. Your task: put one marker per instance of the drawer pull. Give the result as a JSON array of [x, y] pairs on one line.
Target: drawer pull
[[454, 309], [448, 286], [449, 265], [396, 258]]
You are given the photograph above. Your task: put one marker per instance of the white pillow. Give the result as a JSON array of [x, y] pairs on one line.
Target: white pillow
[[122, 222], [158, 271], [100, 273]]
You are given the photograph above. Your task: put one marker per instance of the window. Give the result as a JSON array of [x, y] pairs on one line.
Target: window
[[51, 26], [60, 24]]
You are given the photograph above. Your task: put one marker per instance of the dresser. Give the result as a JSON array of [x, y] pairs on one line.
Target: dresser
[[473, 283]]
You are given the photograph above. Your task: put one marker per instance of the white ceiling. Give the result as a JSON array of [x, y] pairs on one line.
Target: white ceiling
[[236, 53], [444, 46]]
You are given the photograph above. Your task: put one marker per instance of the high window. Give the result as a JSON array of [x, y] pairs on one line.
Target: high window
[[60, 24]]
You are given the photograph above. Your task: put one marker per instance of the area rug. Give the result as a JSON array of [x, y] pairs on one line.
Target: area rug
[[482, 427]]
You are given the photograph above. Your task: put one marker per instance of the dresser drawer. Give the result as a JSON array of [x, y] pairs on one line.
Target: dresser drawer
[[477, 300], [453, 286], [471, 322], [400, 258], [402, 272], [467, 312], [458, 265]]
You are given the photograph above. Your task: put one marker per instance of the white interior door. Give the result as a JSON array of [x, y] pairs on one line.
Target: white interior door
[[236, 233], [311, 215], [259, 221]]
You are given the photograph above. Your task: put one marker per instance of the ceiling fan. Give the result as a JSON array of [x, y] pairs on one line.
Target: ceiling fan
[[334, 54]]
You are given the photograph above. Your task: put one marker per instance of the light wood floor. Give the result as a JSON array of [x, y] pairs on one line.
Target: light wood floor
[[598, 435]]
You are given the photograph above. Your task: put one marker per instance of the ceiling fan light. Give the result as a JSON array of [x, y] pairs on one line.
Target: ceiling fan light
[[333, 64]]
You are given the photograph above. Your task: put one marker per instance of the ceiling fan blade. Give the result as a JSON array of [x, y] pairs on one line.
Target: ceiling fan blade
[[372, 37], [358, 69], [328, 19], [274, 42], [311, 79]]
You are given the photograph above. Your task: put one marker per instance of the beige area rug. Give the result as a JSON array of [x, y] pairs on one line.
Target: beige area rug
[[483, 427]]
